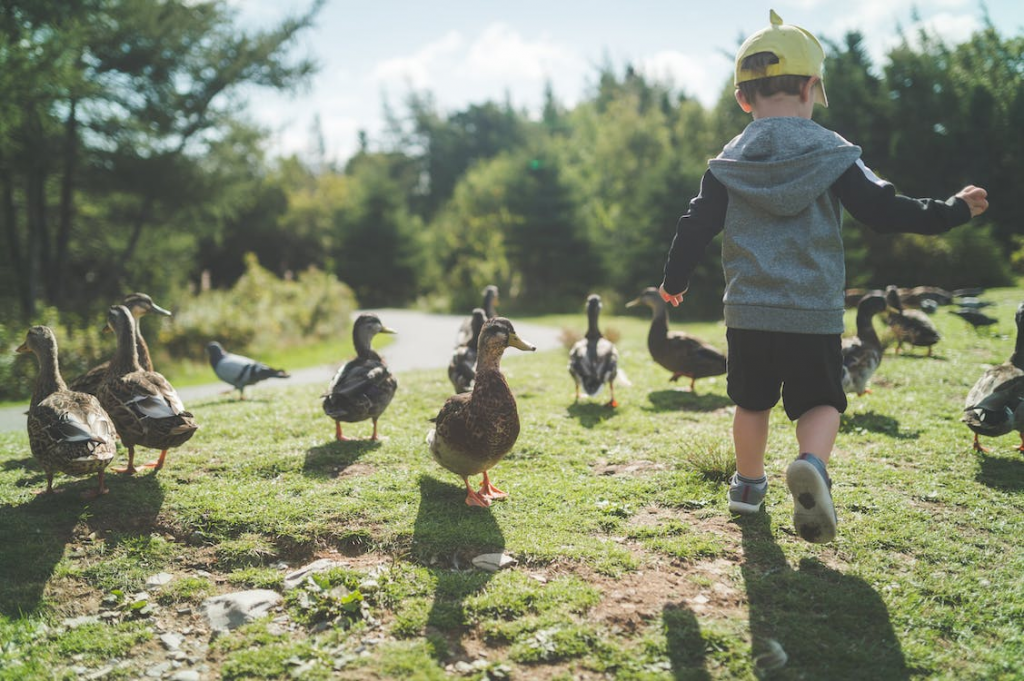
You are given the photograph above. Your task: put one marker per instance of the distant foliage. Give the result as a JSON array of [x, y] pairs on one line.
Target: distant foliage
[[260, 312]]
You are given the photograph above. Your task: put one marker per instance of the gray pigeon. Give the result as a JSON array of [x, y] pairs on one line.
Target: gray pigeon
[[238, 370]]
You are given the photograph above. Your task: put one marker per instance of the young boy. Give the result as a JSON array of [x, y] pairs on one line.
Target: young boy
[[778, 190]]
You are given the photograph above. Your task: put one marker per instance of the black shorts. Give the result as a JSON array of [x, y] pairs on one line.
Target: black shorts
[[807, 368]]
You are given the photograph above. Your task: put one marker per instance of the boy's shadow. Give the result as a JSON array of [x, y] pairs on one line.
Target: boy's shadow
[[1002, 474], [686, 646], [678, 400], [831, 625], [330, 459], [446, 537], [589, 414]]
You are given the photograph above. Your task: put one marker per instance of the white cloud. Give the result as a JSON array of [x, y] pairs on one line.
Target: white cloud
[[502, 53], [420, 68], [699, 77]]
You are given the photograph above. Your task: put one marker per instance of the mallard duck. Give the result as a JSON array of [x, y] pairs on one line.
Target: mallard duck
[[363, 387], [462, 368], [974, 317], [143, 404], [680, 353], [465, 334], [909, 326], [139, 304], [863, 353], [68, 431], [474, 430], [913, 297], [995, 405], [594, 360], [239, 370]]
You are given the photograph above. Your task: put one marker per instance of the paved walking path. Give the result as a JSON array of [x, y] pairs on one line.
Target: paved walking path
[[423, 341]]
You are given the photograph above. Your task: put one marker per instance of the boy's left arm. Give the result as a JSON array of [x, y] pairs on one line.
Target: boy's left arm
[[876, 203]]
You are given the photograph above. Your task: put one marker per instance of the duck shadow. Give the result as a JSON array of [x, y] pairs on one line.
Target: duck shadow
[[1002, 474], [814, 609], [330, 459], [34, 536], [678, 400], [589, 414], [875, 423], [906, 355], [447, 534], [687, 649]]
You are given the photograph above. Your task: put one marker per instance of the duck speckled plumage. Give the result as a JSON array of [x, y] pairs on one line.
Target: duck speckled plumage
[[863, 353], [489, 306], [139, 304], [909, 326], [995, 405], [143, 404], [594, 360], [68, 431], [680, 353], [474, 430], [462, 367], [363, 388]]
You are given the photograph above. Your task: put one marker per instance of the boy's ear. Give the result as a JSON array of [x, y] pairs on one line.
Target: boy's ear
[[807, 90], [741, 99]]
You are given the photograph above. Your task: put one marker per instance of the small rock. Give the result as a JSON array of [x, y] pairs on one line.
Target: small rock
[[186, 675], [159, 579], [159, 670], [171, 641], [463, 667], [98, 674], [369, 586], [294, 579], [75, 622], [231, 611], [492, 562]]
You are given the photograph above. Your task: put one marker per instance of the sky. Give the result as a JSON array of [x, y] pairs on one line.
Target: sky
[[467, 52]]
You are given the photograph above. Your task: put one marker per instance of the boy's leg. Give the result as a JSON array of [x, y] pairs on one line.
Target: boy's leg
[[748, 487], [814, 515]]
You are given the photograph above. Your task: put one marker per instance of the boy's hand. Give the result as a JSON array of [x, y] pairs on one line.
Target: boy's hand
[[669, 298], [975, 198]]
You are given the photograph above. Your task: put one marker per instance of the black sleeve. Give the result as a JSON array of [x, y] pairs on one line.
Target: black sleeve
[[875, 202], [694, 231]]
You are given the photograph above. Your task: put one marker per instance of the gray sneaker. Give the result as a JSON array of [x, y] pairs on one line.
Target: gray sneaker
[[814, 515], [745, 498]]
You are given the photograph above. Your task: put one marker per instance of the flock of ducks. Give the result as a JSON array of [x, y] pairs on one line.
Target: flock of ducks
[[73, 429]]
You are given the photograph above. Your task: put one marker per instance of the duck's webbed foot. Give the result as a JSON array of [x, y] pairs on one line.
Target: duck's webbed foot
[[474, 498], [489, 491]]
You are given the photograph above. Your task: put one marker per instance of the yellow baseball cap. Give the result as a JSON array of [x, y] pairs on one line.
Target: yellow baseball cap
[[799, 53]]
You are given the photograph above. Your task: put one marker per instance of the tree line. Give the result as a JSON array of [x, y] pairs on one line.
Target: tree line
[[127, 163]]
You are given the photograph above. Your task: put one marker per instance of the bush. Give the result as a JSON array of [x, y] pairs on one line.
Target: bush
[[260, 312]]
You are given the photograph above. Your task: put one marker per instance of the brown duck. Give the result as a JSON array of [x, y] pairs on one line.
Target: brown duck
[[139, 304], [475, 430], [462, 367], [68, 431], [143, 404], [594, 360], [909, 326], [680, 353]]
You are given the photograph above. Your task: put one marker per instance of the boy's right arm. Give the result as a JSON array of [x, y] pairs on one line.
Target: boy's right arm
[[875, 202], [694, 231]]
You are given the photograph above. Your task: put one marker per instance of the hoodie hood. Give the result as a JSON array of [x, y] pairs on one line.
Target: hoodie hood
[[780, 165]]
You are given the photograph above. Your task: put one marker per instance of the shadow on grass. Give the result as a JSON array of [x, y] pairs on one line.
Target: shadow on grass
[[589, 414], [678, 400], [446, 536], [1002, 474], [686, 646], [875, 423], [831, 625], [33, 536], [330, 460]]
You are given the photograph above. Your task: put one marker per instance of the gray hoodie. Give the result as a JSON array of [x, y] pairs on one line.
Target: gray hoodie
[[782, 250]]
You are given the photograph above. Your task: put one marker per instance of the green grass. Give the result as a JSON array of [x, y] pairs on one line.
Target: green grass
[[628, 564]]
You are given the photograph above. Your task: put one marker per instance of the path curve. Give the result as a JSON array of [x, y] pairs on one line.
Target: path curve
[[423, 341]]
